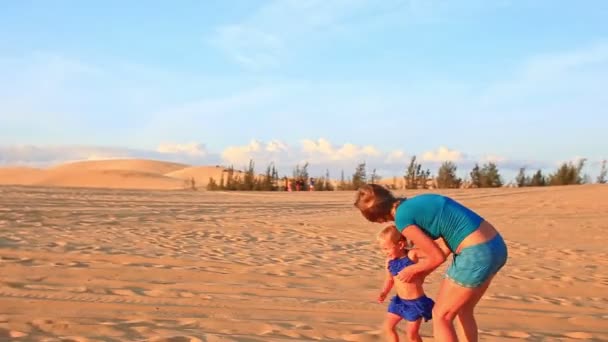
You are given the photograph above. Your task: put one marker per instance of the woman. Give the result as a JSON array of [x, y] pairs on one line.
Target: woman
[[479, 250]]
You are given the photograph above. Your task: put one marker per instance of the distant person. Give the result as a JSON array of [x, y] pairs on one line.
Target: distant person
[[312, 184], [479, 251], [410, 303]]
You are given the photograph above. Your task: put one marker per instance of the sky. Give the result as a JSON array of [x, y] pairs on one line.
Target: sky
[[328, 82]]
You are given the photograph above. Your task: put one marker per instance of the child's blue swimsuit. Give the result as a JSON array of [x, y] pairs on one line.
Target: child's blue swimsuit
[[409, 309]]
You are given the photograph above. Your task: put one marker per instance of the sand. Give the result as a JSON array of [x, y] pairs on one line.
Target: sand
[[145, 265]]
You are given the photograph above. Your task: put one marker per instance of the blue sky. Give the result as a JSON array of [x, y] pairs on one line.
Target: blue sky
[[329, 82]]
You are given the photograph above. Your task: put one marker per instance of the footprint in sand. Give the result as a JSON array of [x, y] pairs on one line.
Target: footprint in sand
[[51, 326], [74, 339], [156, 293], [216, 338], [78, 264], [176, 339], [26, 262], [142, 330], [16, 334], [58, 244], [362, 337], [124, 292], [77, 289], [266, 329], [11, 333], [518, 334], [496, 333], [579, 335]]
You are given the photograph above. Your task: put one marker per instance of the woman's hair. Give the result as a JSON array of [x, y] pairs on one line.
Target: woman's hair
[[375, 202], [391, 233]]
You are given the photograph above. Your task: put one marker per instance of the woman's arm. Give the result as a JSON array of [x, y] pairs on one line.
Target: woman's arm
[[443, 246], [435, 256], [418, 255]]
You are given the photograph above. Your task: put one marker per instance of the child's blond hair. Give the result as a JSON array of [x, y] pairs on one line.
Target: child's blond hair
[[391, 233]]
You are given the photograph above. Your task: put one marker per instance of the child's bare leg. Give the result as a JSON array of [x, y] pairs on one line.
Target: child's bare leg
[[412, 330], [390, 326]]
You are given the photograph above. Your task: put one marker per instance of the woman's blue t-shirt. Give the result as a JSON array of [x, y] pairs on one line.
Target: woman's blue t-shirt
[[438, 216]]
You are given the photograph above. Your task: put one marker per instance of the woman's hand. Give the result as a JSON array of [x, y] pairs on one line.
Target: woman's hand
[[434, 256], [408, 274]]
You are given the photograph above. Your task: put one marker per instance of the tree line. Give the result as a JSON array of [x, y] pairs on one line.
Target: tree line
[[415, 176], [232, 180]]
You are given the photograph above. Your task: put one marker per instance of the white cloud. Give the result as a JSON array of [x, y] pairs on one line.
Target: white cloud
[[258, 151], [442, 154], [30, 155], [44, 156], [276, 146], [396, 157], [322, 150], [492, 158], [321, 155], [192, 149]]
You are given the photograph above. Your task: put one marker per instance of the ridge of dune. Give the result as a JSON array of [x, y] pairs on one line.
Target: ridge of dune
[[114, 173], [141, 165], [109, 173], [124, 179]]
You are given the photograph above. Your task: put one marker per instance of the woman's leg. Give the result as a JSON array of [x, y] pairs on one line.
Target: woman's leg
[[452, 298], [465, 320], [474, 266]]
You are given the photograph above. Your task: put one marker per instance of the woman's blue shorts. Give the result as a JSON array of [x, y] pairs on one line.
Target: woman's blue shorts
[[475, 264]]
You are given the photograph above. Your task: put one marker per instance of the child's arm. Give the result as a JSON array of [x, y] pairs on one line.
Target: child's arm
[[388, 285]]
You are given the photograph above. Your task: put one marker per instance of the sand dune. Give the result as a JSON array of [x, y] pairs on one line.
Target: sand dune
[[124, 179], [123, 265], [113, 173], [135, 165], [20, 175]]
